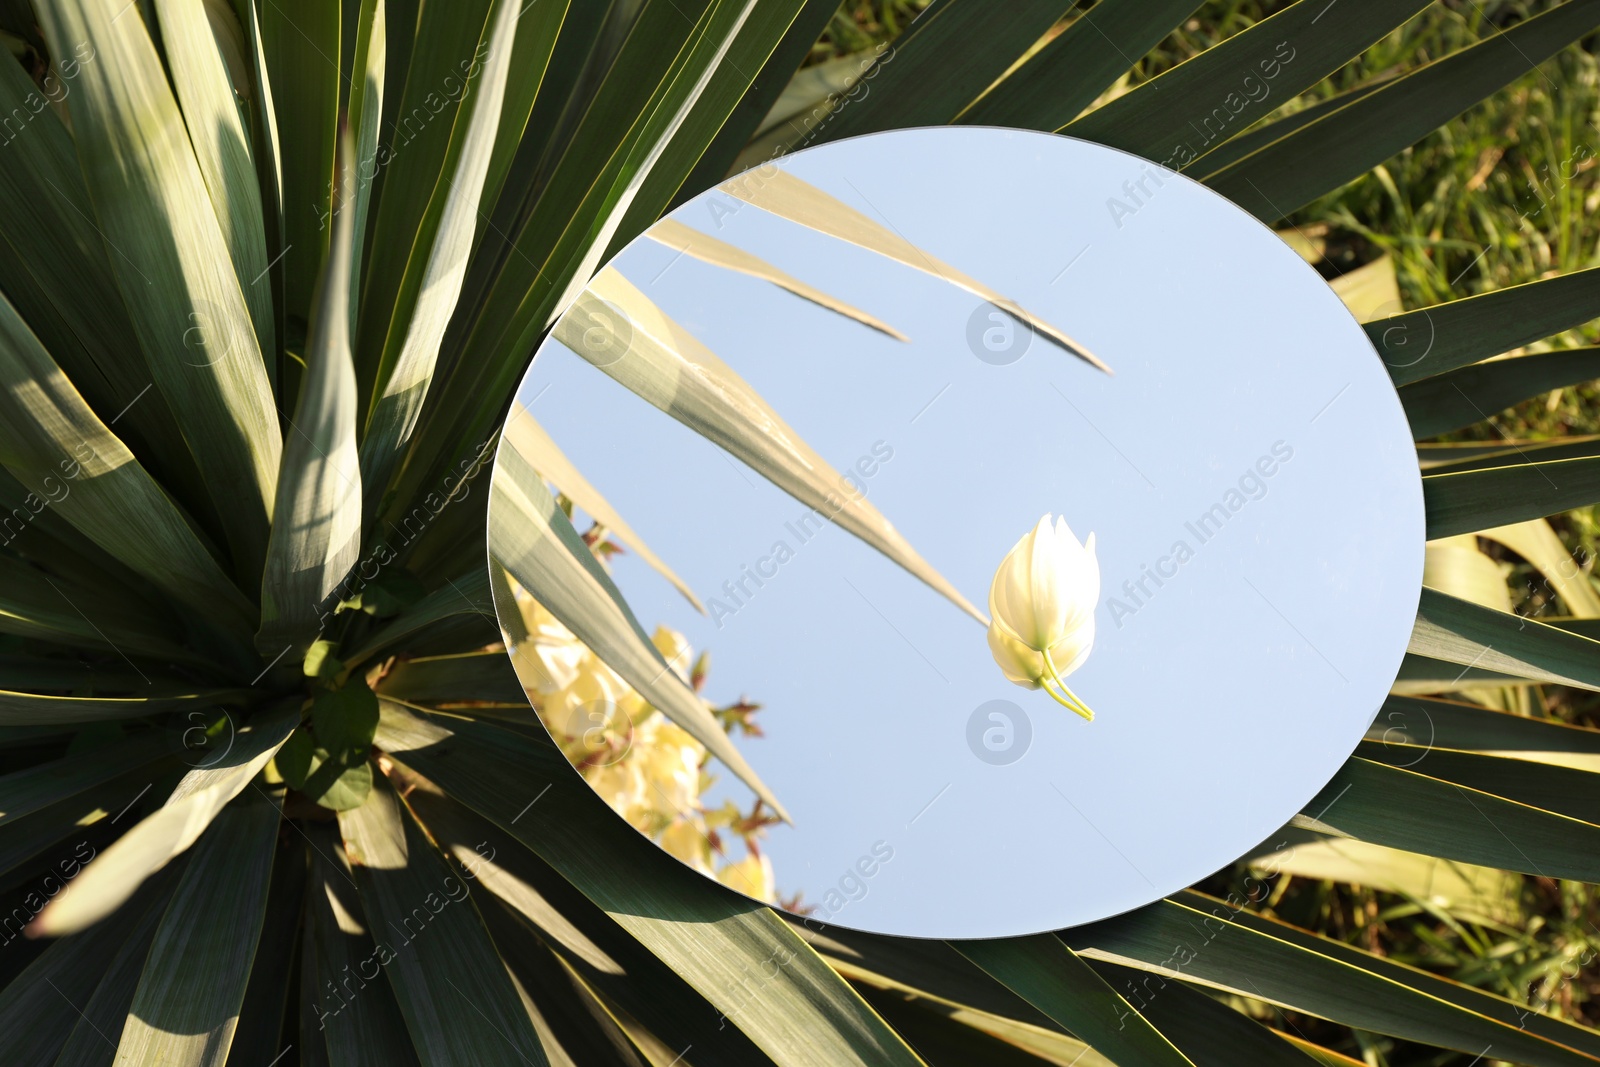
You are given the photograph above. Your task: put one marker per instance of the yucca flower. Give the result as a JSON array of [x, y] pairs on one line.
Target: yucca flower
[[1041, 604]]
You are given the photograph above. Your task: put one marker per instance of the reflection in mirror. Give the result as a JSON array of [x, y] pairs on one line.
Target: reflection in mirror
[[957, 531]]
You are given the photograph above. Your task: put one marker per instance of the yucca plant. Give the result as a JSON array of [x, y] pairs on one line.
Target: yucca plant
[[273, 271]]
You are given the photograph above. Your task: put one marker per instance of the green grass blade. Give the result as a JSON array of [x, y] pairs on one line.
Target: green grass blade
[[190, 318], [198, 800], [714, 939], [46, 431], [941, 63], [1459, 631], [186, 1008], [316, 527], [1469, 501], [1203, 942], [1459, 398], [451, 987], [1051, 977], [1340, 147], [1448, 819], [1433, 340], [1067, 75], [437, 262], [535, 542], [222, 148], [619, 330], [1197, 105]]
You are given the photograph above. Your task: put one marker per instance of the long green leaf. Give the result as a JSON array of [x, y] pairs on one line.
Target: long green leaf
[[222, 149], [1184, 113], [40, 1008], [198, 800], [618, 329], [47, 432], [26, 791], [533, 539], [449, 982], [1445, 818], [1569, 791], [369, 75], [316, 527], [681, 71], [20, 709], [438, 260], [186, 1008], [43, 204], [1209, 1033], [1472, 727], [714, 939], [1052, 978], [1458, 631], [1433, 340], [1053, 87], [360, 1022], [1470, 501], [190, 319], [301, 47], [1289, 173], [1559, 1031], [1203, 942], [106, 1010], [941, 63], [1462, 397]]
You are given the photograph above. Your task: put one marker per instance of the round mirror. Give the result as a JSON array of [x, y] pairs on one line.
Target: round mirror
[[961, 508]]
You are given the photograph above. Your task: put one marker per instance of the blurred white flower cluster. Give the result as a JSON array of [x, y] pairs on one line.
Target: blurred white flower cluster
[[651, 771]]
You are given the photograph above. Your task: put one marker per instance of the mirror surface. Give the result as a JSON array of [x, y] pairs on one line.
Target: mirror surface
[[835, 321]]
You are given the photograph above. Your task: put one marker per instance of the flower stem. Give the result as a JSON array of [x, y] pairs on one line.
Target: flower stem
[[1066, 698]]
